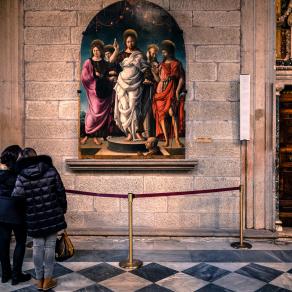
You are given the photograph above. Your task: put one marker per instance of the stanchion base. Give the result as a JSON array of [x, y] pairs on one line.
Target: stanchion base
[[244, 245], [131, 266]]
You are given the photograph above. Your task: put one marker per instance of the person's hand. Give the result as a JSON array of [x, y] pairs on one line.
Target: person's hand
[[97, 73], [112, 73], [147, 81], [116, 45]]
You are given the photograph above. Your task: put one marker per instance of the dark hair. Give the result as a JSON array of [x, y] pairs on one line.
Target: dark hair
[[28, 152], [10, 155], [98, 44], [130, 33], [168, 46]]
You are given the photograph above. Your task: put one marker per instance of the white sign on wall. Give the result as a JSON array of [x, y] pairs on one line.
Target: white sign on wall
[[244, 107]]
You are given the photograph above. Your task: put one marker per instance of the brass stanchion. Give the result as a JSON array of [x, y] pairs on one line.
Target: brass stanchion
[[130, 263], [241, 243]]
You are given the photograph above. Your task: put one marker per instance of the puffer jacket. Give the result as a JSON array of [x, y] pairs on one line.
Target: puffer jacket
[[11, 209], [40, 184]]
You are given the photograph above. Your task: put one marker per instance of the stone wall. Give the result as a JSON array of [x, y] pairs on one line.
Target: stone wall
[[52, 38]]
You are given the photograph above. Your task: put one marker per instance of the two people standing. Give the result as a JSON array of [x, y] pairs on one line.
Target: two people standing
[[41, 198]]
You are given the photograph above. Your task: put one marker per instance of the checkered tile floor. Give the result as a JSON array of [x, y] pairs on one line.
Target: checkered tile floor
[[167, 276]]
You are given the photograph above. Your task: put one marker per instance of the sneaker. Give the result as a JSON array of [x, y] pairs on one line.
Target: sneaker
[[20, 278], [49, 283]]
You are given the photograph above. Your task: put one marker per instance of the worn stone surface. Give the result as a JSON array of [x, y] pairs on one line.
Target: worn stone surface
[[212, 35], [45, 71], [202, 72], [161, 183], [216, 166], [68, 110], [216, 91], [107, 204], [110, 184], [216, 18], [215, 148], [204, 4], [61, 53], [41, 109], [211, 110], [52, 18], [53, 129], [76, 34], [62, 5], [53, 146], [80, 203], [223, 53], [219, 221], [84, 17], [215, 130], [183, 18], [162, 3], [228, 71], [150, 205], [51, 90], [47, 35]]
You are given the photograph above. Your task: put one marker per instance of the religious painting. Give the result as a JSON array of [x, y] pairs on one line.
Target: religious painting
[[133, 84]]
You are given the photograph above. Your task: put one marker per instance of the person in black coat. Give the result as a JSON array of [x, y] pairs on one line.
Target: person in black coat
[[12, 215], [40, 184]]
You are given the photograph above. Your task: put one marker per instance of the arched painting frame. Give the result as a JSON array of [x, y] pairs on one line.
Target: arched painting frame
[[153, 25]]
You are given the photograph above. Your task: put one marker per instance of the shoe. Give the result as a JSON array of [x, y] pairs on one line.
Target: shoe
[[20, 278], [6, 278], [49, 283], [39, 284]]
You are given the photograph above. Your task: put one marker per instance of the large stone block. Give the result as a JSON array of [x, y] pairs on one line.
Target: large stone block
[[212, 35], [176, 220], [161, 183], [50, 18], [110, 184], [54, 146], [215, 148], [216, 166], [150, 205], [228, 71], [216, 91], [216, 182], [62, 5], [80, 203], [68, 181], [51, 53], [47, 35], [107, 204], [51, 90], [69, 110], [77, 34], [207, 203], [52, 129], [84, 17], [218, 53], [183, 18], [75, 220], [216, 18], [105, 220], [162, 3], [225, 130], [202, 72], [41, 110], [204, 4], [213, 111], [54, 71], [190, 53], [219, 221]]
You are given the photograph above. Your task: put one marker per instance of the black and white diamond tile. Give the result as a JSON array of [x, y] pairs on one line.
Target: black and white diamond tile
[[165, 277]]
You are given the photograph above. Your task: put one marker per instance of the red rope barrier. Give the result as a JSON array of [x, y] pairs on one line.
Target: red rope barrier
[[96, 194], [154, 194], [186, 192]]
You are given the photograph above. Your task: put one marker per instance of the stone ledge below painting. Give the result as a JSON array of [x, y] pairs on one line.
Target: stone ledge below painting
[[131, 164]]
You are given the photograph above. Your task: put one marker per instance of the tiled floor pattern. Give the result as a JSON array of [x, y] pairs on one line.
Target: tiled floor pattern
[[216, 276]]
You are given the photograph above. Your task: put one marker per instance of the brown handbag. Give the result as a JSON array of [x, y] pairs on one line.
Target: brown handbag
[[64, 247]]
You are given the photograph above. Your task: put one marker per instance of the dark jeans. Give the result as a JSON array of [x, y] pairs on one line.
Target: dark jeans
[[18, 255]]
